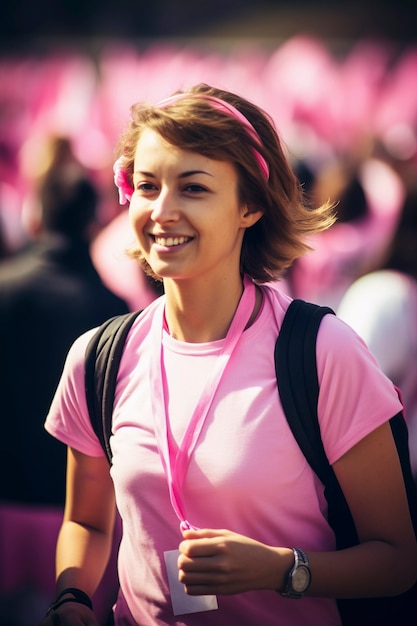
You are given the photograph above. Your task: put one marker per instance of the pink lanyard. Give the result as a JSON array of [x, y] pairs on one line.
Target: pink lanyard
[[175, 464]]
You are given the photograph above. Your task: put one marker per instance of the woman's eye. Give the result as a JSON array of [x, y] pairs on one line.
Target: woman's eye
[[145, 187], [194, 188]]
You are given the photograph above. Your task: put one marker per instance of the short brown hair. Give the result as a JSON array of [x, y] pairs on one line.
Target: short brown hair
[[273, 243]]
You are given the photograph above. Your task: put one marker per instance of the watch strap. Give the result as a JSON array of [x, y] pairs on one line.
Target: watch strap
[[300, 560]]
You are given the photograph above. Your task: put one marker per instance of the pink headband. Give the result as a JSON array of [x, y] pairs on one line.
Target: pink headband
[[120, 176], [229, 109]]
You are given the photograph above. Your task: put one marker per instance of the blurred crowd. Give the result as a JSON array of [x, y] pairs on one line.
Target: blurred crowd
[[349, 122]]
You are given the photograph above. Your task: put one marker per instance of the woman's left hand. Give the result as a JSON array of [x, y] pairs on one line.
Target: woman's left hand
[[221, 562]]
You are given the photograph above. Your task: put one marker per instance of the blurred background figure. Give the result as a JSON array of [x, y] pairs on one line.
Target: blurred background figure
[[10, 203], [382, 305], [368, 194], [50, 292]]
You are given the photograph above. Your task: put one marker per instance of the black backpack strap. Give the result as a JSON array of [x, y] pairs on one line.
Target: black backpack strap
[[298, 387], [102, 360], [296, 371]]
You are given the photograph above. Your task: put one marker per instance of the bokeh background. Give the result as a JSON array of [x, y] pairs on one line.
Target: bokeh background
[[339, 80]]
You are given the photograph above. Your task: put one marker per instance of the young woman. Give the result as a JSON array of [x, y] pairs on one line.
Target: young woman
[[224, 522]]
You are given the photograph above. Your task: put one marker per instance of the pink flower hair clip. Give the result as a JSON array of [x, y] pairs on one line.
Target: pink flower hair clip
[[121, 181]]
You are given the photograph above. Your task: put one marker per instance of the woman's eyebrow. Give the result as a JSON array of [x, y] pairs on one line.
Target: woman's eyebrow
[[143, 173], [193, 172], [182, 175]]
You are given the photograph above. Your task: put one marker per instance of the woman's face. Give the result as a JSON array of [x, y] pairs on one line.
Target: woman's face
[[185, 211]]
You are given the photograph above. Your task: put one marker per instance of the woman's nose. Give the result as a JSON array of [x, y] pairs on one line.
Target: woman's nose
[[165, 207]]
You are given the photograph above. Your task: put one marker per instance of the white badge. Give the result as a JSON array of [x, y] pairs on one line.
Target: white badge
[[181, 602]]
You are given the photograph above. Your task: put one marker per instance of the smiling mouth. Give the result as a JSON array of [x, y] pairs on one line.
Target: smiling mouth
[[170, 242]]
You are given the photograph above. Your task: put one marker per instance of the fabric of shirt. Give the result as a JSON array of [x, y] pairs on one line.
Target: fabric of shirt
[[246, 473]]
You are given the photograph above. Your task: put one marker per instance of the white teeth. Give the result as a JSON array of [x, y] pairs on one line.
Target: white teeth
[[170, 241]]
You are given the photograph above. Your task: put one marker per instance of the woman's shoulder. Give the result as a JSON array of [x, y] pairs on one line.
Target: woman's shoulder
[[278, 295]]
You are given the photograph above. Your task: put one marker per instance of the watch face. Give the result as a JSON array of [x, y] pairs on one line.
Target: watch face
[[300, 579]]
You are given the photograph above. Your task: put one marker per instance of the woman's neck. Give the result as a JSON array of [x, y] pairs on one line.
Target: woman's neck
[[203, 312]]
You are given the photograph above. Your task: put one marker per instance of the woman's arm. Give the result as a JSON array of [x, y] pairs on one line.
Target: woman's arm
[[85, 539], [385, 562]]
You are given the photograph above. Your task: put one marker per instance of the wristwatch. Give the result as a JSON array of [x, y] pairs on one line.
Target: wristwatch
[[299, 576]]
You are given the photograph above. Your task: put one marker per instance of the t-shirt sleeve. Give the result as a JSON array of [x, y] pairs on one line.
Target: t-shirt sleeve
[[355, 395], [68, 419]]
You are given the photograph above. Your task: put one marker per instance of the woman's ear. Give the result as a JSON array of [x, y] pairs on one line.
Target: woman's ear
[[250, 217]]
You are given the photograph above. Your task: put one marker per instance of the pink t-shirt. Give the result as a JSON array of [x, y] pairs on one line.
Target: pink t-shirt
[[246, 474]]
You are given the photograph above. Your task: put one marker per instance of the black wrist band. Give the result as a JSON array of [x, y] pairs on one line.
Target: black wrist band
[[80, 597]]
